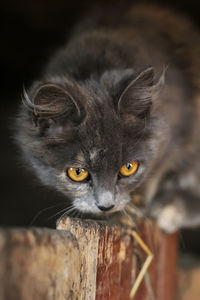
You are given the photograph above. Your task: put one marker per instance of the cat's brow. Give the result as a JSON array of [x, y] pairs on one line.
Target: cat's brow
[[80, 159]]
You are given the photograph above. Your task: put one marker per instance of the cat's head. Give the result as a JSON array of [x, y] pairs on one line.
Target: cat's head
[[94, 141]]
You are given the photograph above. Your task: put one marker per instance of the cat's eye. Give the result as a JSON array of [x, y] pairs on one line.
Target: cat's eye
[[77, 174], [129, 168]]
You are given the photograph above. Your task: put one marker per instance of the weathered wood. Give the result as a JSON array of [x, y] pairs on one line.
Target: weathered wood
[[38, 264], [87, 260], [115, 262], [162, 271], [106, 253]]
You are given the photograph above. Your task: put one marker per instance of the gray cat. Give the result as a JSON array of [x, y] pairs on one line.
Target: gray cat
[[115, 117]]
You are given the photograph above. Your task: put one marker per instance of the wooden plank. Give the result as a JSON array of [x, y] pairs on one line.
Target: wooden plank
[[39, 264], [88, 260], [107, 259], [162, 272], [117, 263]]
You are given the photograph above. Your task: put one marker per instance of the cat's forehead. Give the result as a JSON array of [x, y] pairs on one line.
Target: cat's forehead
[[99, 157], [94, 153], [103, 141], [91, 154]]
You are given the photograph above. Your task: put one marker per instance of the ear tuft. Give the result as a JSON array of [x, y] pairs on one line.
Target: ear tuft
[[50, 102], [136, 99]]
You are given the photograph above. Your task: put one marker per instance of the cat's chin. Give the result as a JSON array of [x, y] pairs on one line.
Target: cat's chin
[[107, 217], [98, 212]]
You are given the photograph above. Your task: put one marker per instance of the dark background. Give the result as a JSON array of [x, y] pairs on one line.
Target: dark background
[[30, 31]]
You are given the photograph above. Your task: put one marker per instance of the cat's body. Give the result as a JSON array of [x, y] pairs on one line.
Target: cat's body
[[99, 106]]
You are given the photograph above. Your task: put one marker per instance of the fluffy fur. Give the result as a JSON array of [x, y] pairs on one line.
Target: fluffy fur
[[107, 98]]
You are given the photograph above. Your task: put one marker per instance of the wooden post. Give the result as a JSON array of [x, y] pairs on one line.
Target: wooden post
[[106, 253], [38, 264], [162, 271], [111, 262], [85, 260]]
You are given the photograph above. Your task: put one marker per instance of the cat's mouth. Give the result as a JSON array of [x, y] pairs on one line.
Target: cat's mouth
[[97, 208], [109, 212], [92, 207]]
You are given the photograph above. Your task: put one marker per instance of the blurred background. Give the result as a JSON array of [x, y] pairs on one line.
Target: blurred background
[[30, 31]]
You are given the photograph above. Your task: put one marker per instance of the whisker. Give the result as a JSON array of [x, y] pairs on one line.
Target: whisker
[[43, 210], [67, 209], [74, 212], [66, 213]]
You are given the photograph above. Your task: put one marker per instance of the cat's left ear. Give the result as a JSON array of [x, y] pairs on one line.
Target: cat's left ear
[[136, 99], [51, 105]]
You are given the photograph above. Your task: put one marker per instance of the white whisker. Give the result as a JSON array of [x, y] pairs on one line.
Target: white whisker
[[65, 210], [43, 210]]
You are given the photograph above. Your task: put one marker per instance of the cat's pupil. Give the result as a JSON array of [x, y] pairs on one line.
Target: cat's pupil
[[78, 171], [128, 166]]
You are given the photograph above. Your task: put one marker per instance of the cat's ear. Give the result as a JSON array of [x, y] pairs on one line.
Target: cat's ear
[[136, 99], [49, 103]]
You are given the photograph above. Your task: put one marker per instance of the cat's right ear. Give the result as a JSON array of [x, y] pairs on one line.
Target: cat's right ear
[[138, 96], [49, 103]]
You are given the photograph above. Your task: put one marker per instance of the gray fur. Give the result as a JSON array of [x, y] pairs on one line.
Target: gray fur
[[100, 104]]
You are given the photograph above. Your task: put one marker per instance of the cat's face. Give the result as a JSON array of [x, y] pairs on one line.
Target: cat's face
[[94, 141]]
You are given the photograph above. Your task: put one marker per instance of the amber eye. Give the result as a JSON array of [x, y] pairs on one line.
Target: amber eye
[[129, 168], [77, 174]]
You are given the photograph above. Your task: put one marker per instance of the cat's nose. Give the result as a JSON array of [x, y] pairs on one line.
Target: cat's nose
[[105, 208], [105, 200]]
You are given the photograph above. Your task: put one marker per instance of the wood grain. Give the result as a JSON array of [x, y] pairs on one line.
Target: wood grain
[[116, 260], [107, 259], [85, 260], [38, 264], [162, 271]]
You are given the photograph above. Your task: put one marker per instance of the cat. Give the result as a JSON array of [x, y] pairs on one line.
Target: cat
[[115, 117]]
